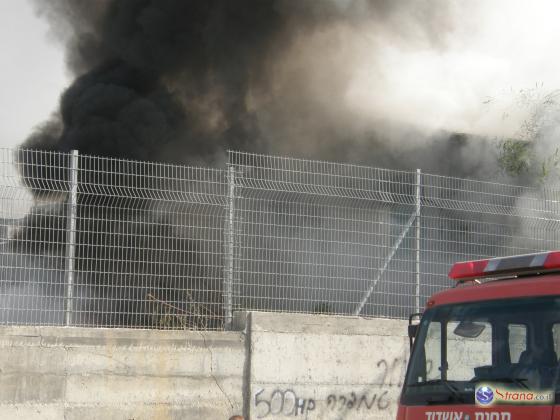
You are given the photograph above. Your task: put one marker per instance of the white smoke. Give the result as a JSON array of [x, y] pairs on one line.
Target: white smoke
[[487, 50]]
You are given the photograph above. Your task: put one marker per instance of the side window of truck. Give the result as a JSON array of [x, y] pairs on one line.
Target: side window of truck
[[433, 351], [556, 337], [465, 353], [517, 341]]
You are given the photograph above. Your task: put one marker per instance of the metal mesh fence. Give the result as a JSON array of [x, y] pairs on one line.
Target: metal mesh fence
[[90, 241], [106, 242], [335, 238]]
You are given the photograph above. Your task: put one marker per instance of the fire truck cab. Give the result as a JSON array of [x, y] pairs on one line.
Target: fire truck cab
[[488, 348]]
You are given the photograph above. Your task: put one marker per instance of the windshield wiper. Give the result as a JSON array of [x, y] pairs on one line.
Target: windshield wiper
[[506, 379], [452, 389]]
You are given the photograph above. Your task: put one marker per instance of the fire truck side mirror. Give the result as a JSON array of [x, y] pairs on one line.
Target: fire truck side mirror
[[412, 330]]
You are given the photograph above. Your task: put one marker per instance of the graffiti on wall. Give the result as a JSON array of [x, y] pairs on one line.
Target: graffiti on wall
[[288, 401]]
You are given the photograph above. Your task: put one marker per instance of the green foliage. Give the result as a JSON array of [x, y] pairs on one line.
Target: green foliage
[[518, 157], [550, 165], [530, 152], [515, 156]]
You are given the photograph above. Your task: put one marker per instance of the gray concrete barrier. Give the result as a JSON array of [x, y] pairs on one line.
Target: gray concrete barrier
[[324, 367], [275, 366], [82, 374]]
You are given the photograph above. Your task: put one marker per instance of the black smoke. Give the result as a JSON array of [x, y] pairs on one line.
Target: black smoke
[[163, 80], [183, 80]]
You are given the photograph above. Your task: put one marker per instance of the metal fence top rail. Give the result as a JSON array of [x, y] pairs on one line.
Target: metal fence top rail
[[236, 158], [256, 160], [144, 163]]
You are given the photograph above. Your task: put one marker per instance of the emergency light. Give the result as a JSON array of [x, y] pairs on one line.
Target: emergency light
[[516, 265]]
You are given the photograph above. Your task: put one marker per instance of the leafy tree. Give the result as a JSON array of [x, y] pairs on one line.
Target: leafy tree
[[515, 156], [532, 152]]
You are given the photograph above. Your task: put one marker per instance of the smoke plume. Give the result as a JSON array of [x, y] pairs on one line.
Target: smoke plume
[[182, 81]]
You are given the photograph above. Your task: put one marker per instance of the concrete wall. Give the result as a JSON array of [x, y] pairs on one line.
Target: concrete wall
[[277, 366], [82, 374], [324, 367]]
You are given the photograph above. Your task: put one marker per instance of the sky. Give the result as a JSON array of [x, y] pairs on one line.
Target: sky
[[492, 50], [33, 71]]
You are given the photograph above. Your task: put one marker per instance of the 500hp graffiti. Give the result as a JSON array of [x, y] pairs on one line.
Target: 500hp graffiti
[[284, 402]]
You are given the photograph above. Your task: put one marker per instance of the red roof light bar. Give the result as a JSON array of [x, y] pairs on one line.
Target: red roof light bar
[[519, 264]]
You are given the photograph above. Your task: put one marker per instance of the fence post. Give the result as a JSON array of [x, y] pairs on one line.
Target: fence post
[[71, 235], [229, 257], [418, 209]]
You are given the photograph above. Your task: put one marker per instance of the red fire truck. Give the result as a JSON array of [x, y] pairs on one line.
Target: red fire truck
[[487, 349]]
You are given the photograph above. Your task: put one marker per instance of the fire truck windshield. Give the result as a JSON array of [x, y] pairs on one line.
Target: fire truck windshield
[[513, 342]]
